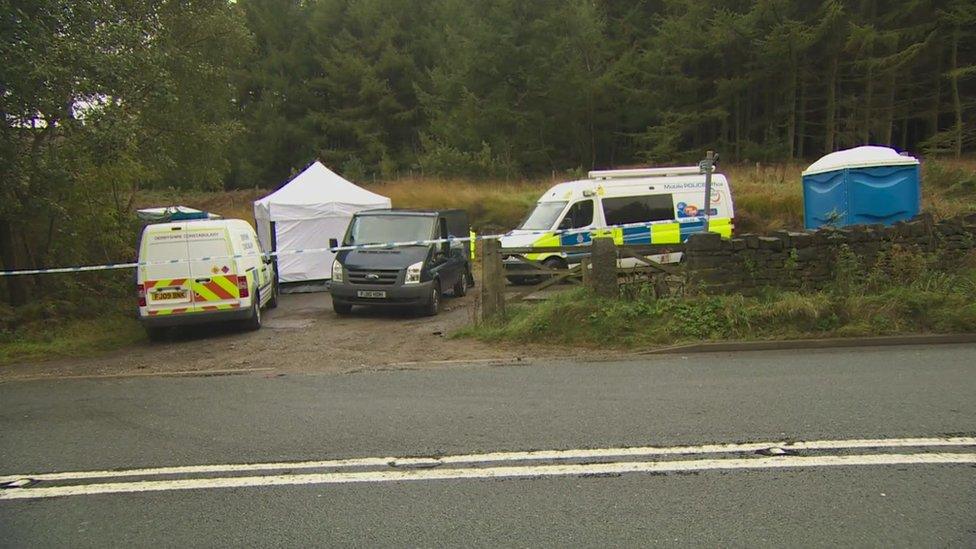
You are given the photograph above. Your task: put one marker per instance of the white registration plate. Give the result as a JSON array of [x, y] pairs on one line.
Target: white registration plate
[[371, 293], [169, 295]]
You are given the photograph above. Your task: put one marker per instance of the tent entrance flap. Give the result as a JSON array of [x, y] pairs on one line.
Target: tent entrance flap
[[304, 235]]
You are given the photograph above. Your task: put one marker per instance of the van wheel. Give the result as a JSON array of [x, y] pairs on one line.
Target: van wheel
[[156, 334], [470, 277], [553, 264], [341, 308], [461, 286], [254, 321], [434, 301], [273, 302]]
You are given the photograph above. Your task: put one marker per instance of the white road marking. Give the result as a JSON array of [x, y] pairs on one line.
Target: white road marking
[[535, 455], [778, 462]]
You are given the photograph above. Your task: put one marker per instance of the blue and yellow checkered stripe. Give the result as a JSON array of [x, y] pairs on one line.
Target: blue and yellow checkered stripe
[[672, 232]]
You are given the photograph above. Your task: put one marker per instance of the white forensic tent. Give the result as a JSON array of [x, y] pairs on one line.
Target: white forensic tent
[[313, 207]]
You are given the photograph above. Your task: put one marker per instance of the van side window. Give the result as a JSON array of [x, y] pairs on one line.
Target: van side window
[[579, 215], [638, 209]]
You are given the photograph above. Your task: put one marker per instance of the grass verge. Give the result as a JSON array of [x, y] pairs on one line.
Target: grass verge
[[47, 336], [889, 300]]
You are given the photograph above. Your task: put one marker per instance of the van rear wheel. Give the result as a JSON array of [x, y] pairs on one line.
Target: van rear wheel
[[461, 286], [273, 302], [254, 321], [433, 305]]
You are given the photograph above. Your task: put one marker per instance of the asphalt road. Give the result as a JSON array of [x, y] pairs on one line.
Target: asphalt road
[[890, 393]]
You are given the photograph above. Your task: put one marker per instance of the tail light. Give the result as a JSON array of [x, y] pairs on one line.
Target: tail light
[[141, 290], [242, 290]]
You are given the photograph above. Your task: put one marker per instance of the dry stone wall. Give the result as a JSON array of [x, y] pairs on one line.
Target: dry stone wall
[[808, 260]]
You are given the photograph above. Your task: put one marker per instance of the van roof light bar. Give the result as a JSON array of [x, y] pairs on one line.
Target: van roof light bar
[[645, 172]]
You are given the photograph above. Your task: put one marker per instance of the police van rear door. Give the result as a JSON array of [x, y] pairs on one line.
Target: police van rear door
[[212, 269], [166, 280]]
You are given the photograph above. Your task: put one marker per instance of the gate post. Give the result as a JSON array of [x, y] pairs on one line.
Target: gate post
[[604, 276], [492, 280]]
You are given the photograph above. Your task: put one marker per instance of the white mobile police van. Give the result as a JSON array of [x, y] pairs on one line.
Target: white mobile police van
[[202, 271], [669, 201]]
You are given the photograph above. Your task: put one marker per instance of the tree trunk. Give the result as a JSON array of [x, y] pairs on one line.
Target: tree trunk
[[791, 121], [904, 132], [16, 285], [889, 120], [802, 122], [868, 99], [738, 127], [937, 95], [830, 128], [956, 101]]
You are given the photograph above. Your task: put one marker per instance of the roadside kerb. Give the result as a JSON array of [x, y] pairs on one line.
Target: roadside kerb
[[123, 375], [826, 343]]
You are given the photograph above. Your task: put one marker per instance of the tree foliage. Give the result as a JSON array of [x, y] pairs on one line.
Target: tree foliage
[[507, 88], [99, 99]]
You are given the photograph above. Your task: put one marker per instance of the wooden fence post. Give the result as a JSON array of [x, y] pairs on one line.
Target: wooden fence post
[[604, 275], [492, 280]]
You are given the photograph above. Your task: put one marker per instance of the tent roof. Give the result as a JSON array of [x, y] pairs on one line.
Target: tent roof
[[318, 185], [317, 189], [860, 157]]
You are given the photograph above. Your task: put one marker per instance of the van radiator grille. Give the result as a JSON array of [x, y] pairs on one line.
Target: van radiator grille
[[382, 277]]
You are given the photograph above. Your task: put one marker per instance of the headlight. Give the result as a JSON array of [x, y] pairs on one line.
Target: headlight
[[336, 271], [413, 273]]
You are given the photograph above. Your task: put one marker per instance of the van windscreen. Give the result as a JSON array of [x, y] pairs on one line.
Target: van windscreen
[[380, 229], [543, 216]]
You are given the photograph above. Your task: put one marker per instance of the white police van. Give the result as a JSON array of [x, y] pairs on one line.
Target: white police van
[[669, 202], [202, 271]]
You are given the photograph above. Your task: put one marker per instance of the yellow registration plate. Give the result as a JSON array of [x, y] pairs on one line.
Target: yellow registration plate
[[169, 295]]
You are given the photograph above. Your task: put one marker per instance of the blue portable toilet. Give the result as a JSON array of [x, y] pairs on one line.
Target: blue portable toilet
[[861, 186]]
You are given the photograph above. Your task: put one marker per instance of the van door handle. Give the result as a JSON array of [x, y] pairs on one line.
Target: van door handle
[[202, 280]]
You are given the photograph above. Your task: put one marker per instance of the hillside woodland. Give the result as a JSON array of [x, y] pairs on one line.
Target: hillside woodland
[[102, 100]]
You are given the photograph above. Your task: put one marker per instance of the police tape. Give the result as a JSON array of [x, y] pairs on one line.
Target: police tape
[[372, 246]]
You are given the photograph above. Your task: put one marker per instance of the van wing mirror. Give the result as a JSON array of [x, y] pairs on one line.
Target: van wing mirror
[[333, 243]]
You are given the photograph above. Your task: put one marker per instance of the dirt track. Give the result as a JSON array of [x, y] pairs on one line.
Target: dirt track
[[302, 334]]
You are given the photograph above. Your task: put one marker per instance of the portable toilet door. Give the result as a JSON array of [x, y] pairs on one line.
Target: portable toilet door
[[861, 186]]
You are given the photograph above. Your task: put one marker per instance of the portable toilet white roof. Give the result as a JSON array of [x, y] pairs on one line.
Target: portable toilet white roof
[[867, 156], [305, 213]]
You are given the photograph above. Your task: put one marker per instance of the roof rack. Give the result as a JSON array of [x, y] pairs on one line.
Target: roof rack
[[644, 172]]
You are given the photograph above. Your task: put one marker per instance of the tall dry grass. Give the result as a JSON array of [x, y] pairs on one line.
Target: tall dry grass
[[767, 197], [491, 205]]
